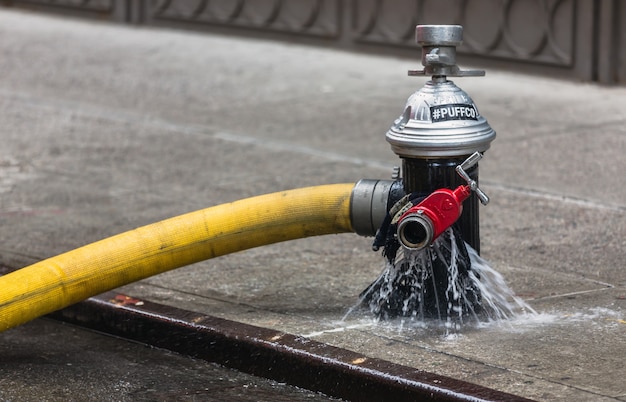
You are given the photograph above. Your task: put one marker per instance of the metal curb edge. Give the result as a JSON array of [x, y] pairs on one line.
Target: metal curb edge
[[268, 353]]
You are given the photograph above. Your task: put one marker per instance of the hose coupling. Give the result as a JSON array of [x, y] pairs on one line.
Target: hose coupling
[[370, 203], [421, 224]]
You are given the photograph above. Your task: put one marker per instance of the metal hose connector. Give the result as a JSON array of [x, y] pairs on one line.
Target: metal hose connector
[[416, 231], [369, 205]]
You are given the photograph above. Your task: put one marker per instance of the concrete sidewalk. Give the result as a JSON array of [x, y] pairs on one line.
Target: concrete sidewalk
[[106, 128]]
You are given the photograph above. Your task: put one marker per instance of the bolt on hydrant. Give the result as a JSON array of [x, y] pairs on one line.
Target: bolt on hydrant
[[439, 136]]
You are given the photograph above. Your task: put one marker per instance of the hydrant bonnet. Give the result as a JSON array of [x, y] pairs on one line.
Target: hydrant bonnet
[[440, 120]]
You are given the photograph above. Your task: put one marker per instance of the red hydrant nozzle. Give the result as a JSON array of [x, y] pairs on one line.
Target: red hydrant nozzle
[[419, 226]]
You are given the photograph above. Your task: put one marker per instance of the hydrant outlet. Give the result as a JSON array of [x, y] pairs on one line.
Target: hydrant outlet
[[416, 231]]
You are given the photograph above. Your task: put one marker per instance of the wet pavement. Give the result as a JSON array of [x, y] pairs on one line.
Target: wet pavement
[[106, 128], [46, 360]]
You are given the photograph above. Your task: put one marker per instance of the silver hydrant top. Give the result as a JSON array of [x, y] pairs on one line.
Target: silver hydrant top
[[440, 120]]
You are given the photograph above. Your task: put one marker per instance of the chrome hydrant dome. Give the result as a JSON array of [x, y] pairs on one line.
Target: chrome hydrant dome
[[440, 120]]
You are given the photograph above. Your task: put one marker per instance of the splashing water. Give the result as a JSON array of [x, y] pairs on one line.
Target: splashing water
[[498, 301], [447, 281]]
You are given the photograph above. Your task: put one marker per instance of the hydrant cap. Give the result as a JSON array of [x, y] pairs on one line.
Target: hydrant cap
[[439, 35], [440, 120]]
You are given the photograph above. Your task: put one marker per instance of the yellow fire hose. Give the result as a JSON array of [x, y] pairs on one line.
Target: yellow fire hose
[[68, 278]]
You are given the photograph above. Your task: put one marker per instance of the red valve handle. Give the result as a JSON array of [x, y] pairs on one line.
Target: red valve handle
[[420, 225], [423, 223]]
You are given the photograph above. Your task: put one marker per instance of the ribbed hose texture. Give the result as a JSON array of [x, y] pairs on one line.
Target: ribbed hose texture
[[68, 278]]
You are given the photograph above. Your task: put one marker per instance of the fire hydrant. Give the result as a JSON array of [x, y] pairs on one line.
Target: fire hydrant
[[439, 136], [440, 126]]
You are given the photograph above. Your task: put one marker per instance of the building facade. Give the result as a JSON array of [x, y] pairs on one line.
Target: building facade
[[575, 39]]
